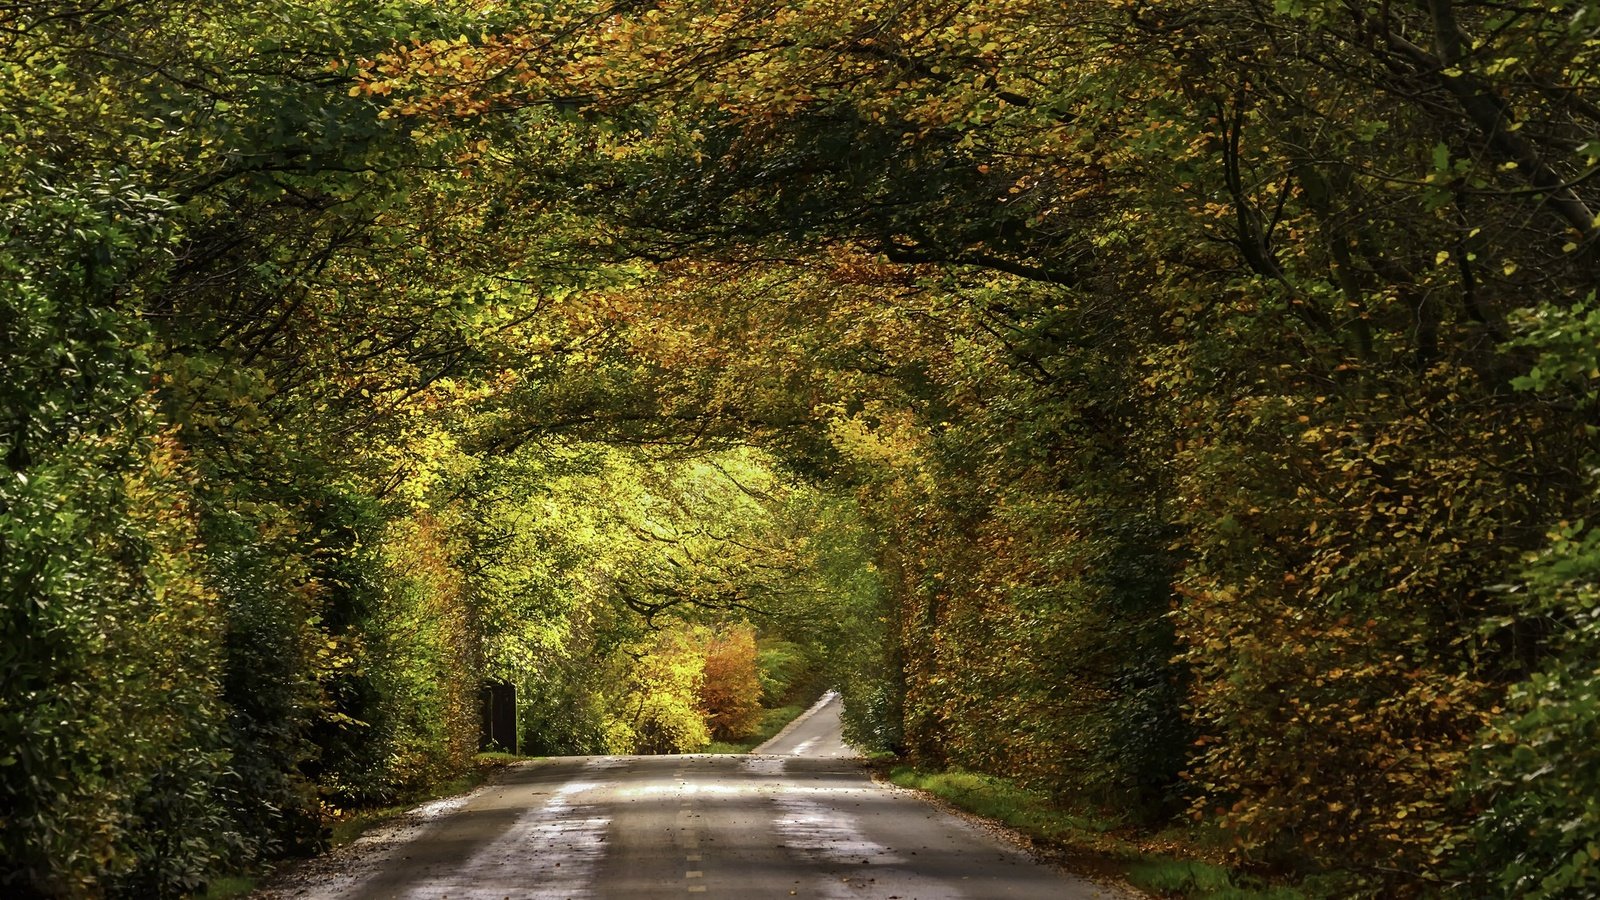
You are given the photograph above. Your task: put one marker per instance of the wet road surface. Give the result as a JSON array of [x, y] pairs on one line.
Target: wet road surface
[[801, 818]]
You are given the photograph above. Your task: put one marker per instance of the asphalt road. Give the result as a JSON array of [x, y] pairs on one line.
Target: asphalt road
[[816, 733], [799, 819]]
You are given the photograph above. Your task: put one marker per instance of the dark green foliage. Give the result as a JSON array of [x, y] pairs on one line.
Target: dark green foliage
[[268, 684], [1538, 832], [109, 716], [178, 562], [784, 669], [561, 716]]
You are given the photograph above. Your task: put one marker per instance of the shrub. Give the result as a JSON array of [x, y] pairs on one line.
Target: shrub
[[730, 692]]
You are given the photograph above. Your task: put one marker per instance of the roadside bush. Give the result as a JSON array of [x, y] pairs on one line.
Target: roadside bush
[[110, 751], [561, 711], [660, 712], [730, 689], [1535, 777], [269, 683]]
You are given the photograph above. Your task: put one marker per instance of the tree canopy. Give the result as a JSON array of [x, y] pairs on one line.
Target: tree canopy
[[1187, 409]]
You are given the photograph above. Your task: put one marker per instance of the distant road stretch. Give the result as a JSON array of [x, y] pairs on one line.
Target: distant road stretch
[[799, 819]]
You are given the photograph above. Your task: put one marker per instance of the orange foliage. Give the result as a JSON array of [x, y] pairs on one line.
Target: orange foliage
[[730, 695]]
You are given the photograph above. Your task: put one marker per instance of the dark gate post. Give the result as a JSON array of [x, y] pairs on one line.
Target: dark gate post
[[498, 702]]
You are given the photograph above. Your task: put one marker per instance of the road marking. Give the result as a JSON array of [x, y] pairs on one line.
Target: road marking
[[694, 873], [697, 889], [692, 857]]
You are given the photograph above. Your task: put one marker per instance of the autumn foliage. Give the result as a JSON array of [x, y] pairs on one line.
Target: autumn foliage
[[1189, 403], [730, 695], [1186, 408]]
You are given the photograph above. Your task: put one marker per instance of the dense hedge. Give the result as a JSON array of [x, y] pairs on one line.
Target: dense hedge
[[1216, 385], [214, 627]]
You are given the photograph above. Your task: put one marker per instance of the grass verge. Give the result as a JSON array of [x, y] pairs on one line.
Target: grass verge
[[772, 722], [228, 887], [1094, 845]]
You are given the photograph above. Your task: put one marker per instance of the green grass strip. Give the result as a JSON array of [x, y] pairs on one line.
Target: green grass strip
[[1091, 843]]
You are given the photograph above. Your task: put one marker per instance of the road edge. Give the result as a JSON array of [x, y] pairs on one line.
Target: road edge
[[1097, 868], [286, 878]]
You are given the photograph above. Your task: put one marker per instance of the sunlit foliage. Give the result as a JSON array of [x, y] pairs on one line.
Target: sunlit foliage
[[1186, 408]]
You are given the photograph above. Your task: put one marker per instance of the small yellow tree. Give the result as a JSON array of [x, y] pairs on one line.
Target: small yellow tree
[[730, 693], [667, 681]]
